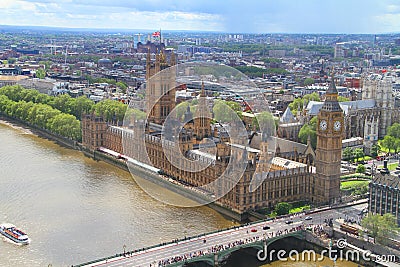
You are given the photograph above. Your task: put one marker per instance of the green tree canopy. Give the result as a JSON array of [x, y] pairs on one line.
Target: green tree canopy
[[360, 168], [309, 129], [282, 208], [110, 110], [266, 123], [380, 227], [375, 150], [347, 153], [43, 116], [394, 130], [298, 103], [122, 85], [358, 153], [226, 111], [66, 125], [40, 73], [389, 142], [133, 114], [342, 99], [180, 109], [308, 81]]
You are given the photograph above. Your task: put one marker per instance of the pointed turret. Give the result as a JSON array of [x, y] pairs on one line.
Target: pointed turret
[[287, 116], [202, 120], [331, 97], [202, 92], [188, 116], [173, 59]]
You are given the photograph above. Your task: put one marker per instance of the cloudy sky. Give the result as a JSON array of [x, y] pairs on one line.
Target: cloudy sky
[[252, 16]]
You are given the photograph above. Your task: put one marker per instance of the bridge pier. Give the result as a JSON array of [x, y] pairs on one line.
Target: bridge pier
[[216, 263]]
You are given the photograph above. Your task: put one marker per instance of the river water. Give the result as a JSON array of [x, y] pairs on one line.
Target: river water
[[76, 209]]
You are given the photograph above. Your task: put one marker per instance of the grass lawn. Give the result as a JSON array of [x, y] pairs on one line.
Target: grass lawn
[[391, 166], [352, 184], [355, 175], [299, 209], [365, 158]]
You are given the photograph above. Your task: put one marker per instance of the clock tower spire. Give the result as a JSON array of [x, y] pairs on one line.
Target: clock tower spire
[[329, 149]]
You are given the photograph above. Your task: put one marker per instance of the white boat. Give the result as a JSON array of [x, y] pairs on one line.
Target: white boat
[[14, 234]]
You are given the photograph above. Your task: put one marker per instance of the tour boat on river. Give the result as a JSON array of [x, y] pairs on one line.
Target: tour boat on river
[[14, 234]]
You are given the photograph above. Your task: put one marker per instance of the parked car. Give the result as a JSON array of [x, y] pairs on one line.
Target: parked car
[[308, 218], [266, 227]]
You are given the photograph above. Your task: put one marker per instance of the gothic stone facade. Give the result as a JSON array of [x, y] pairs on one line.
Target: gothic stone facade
[[277, 179]]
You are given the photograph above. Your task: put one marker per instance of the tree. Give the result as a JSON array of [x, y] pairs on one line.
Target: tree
[[308, 81], [396, 145], [83, 105], [64, 103], [11, 60], [342, 99], [40, 73], [180, 110], [312, 97], [394, 130], [375, 150], [265, 122], [110, 110], [360, 168], [122, 85], [309, 129], [389, 142], [347, 153], [66, 125], [298, 103], [380, 227], [282, 208], [133, 114], [358, 153], [227, 111]]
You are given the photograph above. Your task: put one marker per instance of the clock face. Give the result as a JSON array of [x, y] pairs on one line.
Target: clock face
[[323, 125], [337, 125]]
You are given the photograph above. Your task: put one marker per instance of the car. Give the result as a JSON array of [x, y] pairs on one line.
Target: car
[[266, 227], [289, 222], [308, 218], [253, 230]]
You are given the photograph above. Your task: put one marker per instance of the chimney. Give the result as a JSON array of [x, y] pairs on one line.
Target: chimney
[[385, 170]]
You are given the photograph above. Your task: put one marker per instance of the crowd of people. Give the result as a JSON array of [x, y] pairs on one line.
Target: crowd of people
[[317, 229]]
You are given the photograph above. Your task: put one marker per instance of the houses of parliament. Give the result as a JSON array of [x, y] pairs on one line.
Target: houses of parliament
[[244, 171]]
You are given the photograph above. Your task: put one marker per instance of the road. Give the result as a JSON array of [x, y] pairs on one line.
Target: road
[[245, 233]]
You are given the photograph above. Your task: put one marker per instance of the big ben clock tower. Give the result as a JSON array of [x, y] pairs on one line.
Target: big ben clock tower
[[329, 149]]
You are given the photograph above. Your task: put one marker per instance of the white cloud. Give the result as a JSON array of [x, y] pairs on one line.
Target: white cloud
[[231, 15]]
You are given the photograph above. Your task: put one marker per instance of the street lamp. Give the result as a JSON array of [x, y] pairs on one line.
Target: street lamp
[[124, 247]]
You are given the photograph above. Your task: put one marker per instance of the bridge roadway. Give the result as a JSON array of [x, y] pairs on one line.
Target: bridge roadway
[[250, 232]]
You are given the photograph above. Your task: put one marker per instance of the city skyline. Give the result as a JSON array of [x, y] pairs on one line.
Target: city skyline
[[309, 16]]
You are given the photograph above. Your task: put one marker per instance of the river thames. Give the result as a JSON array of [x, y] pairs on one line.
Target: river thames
[[76, 209]]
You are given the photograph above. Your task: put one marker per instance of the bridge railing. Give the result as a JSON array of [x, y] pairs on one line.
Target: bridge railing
[[209, 257], [168, 243]]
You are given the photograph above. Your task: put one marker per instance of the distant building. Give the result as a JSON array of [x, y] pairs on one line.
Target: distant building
[[105, 63], [11, 79], [370, 117]]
